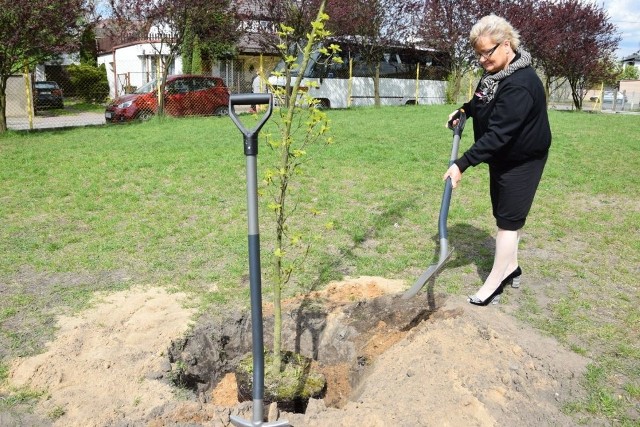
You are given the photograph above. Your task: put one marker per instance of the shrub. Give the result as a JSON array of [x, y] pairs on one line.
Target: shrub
[[89, 82]]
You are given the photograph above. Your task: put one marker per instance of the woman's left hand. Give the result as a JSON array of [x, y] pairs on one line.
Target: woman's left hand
[[454, 173]]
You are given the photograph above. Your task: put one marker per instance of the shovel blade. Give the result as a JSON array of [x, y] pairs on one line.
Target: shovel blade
[[428, 273]]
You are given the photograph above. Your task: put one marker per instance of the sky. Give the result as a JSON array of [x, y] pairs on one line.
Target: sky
[[625, 14]]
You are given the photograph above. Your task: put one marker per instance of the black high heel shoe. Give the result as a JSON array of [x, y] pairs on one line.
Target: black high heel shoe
[[513, 278], [494, 298]]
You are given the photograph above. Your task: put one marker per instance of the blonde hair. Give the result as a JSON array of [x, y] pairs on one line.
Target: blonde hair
[[497, 29]]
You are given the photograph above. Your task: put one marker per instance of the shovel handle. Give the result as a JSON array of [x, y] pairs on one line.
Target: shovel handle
[[250, 135], [461, 116], [445, 251], [448, 186], [250, 99]]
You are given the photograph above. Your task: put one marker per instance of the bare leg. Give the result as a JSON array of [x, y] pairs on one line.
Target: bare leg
[[513, 264], [504, 262]]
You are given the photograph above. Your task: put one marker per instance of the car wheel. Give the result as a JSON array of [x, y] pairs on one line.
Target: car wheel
[[145, 115], [323, 104], [221, 111]]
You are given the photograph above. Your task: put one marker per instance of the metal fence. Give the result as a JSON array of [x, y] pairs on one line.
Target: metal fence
[[627, 98], [61, 103], [30, 106], [625, 102], [628, 95]]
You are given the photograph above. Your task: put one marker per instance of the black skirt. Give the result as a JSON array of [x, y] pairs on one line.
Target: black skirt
[[513, 189]]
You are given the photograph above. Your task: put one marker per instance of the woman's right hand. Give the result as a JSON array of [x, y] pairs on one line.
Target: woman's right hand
[[451, 122]]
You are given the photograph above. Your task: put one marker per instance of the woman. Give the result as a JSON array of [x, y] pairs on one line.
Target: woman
[[512, 135], [257, 86]]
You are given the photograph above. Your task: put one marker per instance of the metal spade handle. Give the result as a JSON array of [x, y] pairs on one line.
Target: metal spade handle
[[448, 188], [445, 251], [255, 280]]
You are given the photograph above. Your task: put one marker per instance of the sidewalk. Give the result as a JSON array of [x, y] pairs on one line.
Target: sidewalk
[[75, 120], [39, 122]]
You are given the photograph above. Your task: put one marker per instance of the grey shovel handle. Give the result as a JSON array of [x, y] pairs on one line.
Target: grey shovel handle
[[250, 99], [448, 187], [250, 135], [461, 116]]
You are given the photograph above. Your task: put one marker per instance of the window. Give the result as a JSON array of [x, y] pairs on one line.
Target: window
[[178, 86], [203, 84]]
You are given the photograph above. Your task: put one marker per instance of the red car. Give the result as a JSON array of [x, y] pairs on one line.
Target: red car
[[185, 95]]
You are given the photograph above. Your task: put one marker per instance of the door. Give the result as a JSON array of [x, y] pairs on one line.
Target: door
[[176, 98]]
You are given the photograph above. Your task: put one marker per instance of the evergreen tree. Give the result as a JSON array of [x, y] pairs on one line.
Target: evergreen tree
[[196, 56]]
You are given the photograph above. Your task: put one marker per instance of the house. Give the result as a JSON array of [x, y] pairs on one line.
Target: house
[[633, 60], [133, 61], [631, 88]]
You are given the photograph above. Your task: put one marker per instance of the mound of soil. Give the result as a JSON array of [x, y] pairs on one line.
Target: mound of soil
[[388, 361]]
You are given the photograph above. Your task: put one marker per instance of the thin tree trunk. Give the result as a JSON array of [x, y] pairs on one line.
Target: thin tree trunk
[[547, 88], [280, 274], [285, 169], [161, 98], [376, 86], [3, 105]]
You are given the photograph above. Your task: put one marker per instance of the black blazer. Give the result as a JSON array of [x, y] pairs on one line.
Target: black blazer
[[513, 127]]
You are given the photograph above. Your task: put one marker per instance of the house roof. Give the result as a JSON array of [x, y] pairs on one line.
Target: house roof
[[107, 41]]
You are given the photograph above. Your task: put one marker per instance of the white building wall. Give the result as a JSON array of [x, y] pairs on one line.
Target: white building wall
[[16, 95], [39, 73], [134, 66]]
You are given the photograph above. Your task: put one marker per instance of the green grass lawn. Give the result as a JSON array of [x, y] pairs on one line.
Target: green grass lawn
[[164, 203]]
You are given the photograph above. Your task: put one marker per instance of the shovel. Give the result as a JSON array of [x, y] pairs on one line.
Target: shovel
[[255, 282], [445, 250]]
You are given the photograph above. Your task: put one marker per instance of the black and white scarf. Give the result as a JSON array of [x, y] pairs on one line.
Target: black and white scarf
[[489, 82]]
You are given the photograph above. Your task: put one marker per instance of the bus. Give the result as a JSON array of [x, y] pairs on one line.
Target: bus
[[408, 75]]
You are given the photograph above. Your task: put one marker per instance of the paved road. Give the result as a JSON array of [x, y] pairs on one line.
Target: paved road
[[40, 122], [75, 120]]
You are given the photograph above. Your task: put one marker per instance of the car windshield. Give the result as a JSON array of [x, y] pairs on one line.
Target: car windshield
[[46, 85], [147, 87]]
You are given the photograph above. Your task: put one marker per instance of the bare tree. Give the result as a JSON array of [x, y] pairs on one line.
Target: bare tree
[[445, 26], [262, 20], [265, 20], [375, 25]]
